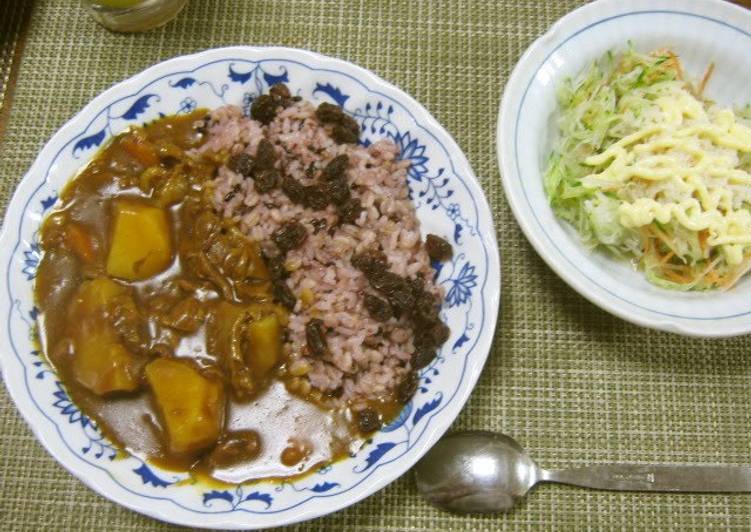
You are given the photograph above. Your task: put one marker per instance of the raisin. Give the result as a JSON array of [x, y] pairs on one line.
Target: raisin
[[430, 336], [263, 109], [241, 163], [379, 309], [319, 224], [265, 155], [345, 129], [266, 180], [338, 190], [279, 91], [294, 190], [400, 296], [336, 168], [316, 338], [369, 261], [344, 134], [284, 295], [422, 357], [368, 420], [398, 291], [407, 387], [315, 198], [438, 248], [425, 307], [329, 113], [440, 332], [350, 210], [310, 171], [290, 236]]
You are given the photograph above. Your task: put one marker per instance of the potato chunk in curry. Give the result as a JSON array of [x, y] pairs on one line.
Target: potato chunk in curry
[[264, 344], [190, 405], [141, 243], [101, 362]]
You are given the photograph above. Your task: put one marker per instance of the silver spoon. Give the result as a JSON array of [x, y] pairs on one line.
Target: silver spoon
[[486, 472]]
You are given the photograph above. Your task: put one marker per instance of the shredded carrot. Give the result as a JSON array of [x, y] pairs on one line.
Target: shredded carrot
[[80, 242], [703, 237], [140, 151], [667, 257], [678, 278], [705, 80], [665, 239]]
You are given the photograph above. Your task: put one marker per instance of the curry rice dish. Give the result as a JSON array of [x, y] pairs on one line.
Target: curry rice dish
[[240, 296]]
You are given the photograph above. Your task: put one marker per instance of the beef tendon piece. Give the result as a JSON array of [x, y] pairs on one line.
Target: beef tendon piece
[[235, 448]]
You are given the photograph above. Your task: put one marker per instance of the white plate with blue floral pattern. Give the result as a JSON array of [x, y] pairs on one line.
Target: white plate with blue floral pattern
[[449, 201], [701, 32]]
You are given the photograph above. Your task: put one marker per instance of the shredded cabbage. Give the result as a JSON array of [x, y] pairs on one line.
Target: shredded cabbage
[[648, 169]]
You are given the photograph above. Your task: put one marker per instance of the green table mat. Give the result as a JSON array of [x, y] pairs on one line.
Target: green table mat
[[572, 383]]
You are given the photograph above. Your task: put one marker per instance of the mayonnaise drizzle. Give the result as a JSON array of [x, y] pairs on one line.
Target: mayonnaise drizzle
[[684, 164]]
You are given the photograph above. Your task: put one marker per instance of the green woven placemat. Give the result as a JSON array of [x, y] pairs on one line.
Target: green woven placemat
[[572, 383], [12, 33]]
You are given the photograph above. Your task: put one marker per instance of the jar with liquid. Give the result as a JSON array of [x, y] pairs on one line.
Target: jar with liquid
[[134, 15]]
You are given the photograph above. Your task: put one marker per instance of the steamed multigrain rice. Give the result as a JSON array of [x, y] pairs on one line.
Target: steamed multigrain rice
[[366, 359]]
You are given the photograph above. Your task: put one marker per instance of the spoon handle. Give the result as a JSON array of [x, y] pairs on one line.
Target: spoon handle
[[637, 477]]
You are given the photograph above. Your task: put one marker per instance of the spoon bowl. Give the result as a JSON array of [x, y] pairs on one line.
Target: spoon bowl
[[476, 472]]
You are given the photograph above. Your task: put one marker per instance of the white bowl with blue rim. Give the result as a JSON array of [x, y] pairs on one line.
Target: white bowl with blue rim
[[449, 202], [700, 32]]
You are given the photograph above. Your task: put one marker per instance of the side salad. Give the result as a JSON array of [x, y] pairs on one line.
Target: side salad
[[650, 170]]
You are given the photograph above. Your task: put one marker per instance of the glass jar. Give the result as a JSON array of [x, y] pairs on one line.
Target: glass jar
[[134, 15]]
